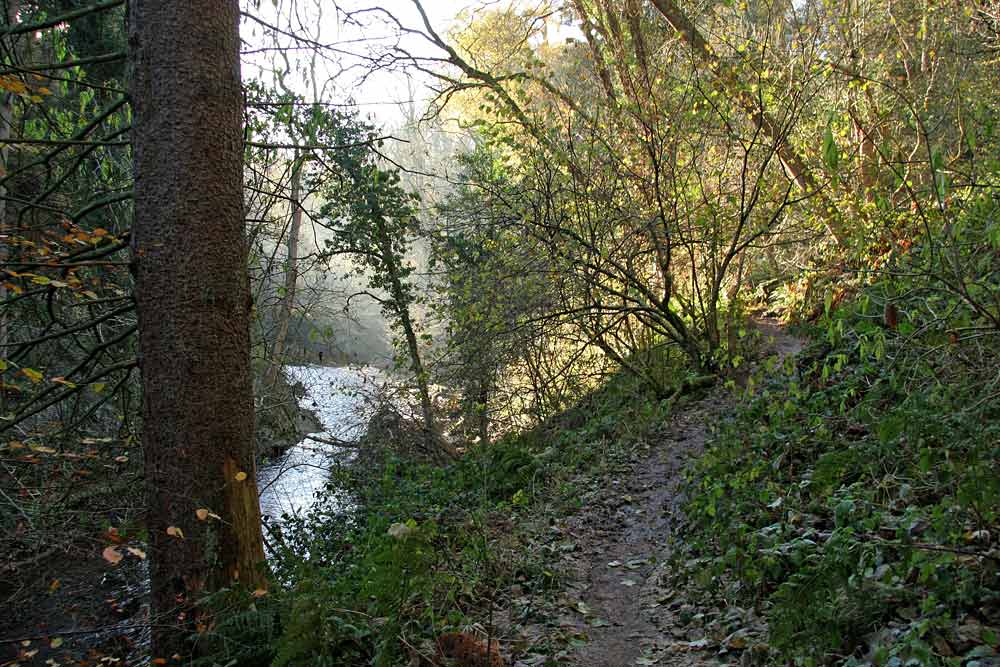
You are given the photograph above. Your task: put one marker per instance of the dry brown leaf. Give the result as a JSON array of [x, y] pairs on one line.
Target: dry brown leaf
[[112, 555]]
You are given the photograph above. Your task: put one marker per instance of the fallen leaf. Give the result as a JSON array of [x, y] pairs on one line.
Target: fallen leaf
[[174, 531], [112, 555], [202, 514], [137, 552], [32, 374], [259, 593], [56, 642], [400, 531]]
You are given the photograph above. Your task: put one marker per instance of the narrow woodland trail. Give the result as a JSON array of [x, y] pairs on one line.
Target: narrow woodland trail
[[627, 614]]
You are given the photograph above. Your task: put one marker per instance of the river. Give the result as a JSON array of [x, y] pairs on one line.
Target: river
[[341, 398]]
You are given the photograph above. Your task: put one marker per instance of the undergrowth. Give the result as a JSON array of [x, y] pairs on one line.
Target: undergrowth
[[430, 548], [854, 498]]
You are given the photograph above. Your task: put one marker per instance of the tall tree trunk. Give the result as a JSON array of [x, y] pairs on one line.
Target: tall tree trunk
[[192, 291], [401, 303], [730, 83], [6, 121], [291, 273], [596, 50]]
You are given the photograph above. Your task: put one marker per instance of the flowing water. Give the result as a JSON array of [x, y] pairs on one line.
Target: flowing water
[[341, 400]]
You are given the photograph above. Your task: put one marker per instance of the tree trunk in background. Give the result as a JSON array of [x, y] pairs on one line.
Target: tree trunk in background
[[6, 120], [291, 273], [794, 166], [402, 306], [192, 293], [401, 302], [596, 50]]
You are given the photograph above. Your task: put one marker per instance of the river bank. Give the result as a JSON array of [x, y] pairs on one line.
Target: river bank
[[74, 605]]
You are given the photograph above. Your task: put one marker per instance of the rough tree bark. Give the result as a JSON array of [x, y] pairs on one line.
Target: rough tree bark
[[192, 292]]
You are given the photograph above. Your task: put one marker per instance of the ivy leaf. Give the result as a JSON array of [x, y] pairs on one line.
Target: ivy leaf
[[831, 153]]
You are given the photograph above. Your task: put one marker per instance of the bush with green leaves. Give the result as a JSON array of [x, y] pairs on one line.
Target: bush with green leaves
[[856, 498]]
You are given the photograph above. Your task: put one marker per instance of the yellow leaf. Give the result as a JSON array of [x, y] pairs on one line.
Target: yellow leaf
[[56, 642], [202, 514], [54, 586], [259, 593], [112, 555], [13, 85], [32, 375], [139, 553], [98, 387], [240, 476], [174, 531]]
